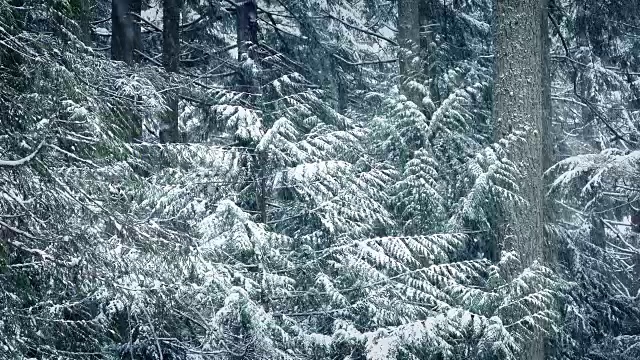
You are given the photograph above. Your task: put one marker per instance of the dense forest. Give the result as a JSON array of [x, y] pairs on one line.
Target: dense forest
[[320, 179]]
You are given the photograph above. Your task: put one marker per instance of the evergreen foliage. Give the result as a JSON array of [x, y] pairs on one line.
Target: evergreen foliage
[[318, 205]]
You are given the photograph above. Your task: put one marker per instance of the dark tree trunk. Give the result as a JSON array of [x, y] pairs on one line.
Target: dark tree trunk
[[169, 131], [122, 32], [343, 94], [247, 35], [125, 40], [428, 56], [84, 21], [409, 41], [247, 27], [135, 7], [518, 106]]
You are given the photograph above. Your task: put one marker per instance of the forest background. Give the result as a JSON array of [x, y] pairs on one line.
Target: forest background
[[319, 179]]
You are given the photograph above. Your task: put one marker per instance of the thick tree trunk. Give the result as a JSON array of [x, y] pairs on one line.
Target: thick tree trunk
[[409, 41], [246, 28], [84, 21], [122, 32], [135, 7], [548, 137], [125, 40], [518, 106], [247, 37], [428, 56], [169, 131]]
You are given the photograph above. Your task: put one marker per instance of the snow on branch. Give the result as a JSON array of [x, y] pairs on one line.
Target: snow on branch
[[24, 160], [33, 251]]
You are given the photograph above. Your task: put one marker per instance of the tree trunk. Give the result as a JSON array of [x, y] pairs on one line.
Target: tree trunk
[[247, 27], [135, 7], [583, 82], [84, 21], [518, 106], [247, 37], [409, 41], [169, 131], [122, 32], [125, 40], [428, 16], [548, 138]]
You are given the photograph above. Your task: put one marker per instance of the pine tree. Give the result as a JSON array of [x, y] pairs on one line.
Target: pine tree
[[337, 189]]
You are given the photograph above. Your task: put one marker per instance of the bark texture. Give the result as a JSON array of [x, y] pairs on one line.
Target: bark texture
[[548, 136], [518, 106], [169, 131], [409, 41]]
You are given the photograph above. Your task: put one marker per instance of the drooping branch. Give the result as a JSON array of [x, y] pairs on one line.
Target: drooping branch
[[98, 22], [372, 62], [24, 160], [149, 23], [589, 104], [365, 31], [191, 23], [35, 252]]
